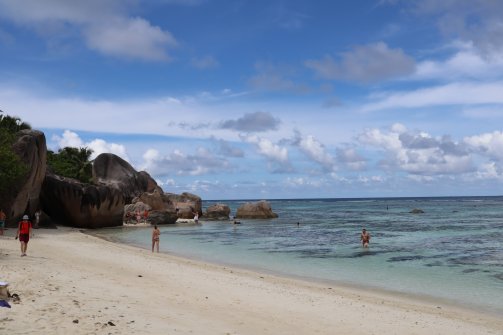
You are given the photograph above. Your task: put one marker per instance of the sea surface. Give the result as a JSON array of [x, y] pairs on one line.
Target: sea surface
[[453, 251]]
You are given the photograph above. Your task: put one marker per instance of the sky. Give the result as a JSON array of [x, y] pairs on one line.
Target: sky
[[255, 99]]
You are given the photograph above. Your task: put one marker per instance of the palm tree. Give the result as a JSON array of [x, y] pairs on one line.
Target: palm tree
[[12, 124]]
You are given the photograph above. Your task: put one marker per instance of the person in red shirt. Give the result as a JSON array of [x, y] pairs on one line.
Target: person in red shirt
[[24, 231]]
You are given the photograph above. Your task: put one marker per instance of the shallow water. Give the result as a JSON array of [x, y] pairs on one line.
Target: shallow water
[[452, 251]]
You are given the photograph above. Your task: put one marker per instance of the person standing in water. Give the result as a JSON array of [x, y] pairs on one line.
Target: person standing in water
[[24, 231], [155, 238], [365, 238]]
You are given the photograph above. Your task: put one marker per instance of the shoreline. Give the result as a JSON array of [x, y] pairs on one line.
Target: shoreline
[[70, 275], [354, 287]]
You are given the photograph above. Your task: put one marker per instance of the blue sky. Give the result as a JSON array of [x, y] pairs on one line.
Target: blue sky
[[268, 99]]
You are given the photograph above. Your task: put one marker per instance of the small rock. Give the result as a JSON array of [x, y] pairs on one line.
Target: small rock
[[110, 323], [75, 321]]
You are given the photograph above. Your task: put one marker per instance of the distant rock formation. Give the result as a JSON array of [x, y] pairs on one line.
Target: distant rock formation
[[218, 212], [186, 203], [255, 210], [161, 210], [73, 203], [416, 211], [30, 146]]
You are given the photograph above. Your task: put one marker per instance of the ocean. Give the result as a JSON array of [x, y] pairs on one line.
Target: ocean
[[452, 252]]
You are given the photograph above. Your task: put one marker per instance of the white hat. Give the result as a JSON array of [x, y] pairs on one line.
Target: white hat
[[25, 217]]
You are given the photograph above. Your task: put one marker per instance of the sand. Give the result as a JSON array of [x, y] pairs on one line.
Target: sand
[[74, 283]]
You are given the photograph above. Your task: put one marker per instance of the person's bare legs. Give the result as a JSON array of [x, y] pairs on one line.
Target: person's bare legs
[[24, 246], [157, 245], [153, 244]]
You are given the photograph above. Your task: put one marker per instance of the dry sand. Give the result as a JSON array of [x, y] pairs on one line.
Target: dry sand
[[71, 277]]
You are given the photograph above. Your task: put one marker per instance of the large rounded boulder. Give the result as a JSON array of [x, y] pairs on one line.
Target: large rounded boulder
[[113, 171], [256, 210], [31, 148], [72, 203], [97, 205], [186, 204], [217, 212]]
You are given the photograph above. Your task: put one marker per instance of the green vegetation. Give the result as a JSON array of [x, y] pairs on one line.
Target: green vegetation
[[72, 163], [12, 169]]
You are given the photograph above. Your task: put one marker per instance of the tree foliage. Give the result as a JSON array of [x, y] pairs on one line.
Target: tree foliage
[[72, 163]]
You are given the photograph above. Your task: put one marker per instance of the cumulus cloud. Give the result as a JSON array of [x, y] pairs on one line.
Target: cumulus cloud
[[314, 150], [98, 146], [276, 155], [419, 153], [351, 159], [105, 25], [488, 144], [130, 37], [252, 122], [364, 64], [179, 163]]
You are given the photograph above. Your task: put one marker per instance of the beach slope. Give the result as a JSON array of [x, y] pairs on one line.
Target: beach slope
[[74, 283]]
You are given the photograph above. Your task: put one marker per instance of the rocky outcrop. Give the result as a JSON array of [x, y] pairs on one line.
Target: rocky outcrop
[[113, 171], [97, 205], [159, 212], [255, 210], [218, 212], [417, 211], [30, 146], [72, 203], [186, 203], [162, 217], [155, 200]]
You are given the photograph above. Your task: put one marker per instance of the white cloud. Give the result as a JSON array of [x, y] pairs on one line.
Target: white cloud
[[315, 150], [476, 21], [465, 64], [419, 153], [467, 93], [131, 38], [350, 158], [274, 153], [182, 164], [105, 25], [69, 139], [365, 64], [98, 146], [489, 144]]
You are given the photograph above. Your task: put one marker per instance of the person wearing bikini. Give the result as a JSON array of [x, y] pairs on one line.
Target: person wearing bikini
[[365, 238], [24, 231], [155, 238]]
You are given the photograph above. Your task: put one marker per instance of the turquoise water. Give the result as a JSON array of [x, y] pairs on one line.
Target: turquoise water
[[452, 251]]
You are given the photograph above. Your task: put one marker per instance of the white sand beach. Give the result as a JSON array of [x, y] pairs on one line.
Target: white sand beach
[[73, 283]]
